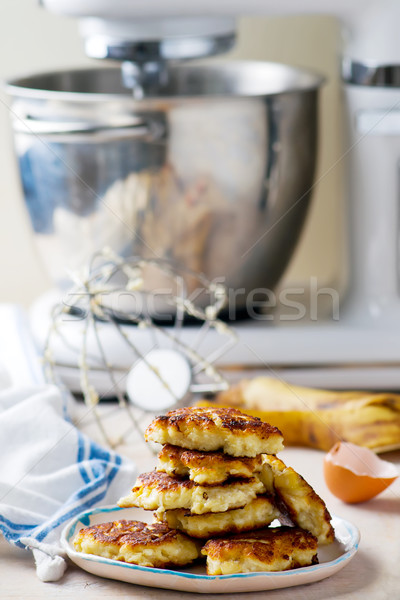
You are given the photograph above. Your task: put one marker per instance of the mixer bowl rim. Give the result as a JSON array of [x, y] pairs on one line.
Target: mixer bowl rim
[[304, 80]]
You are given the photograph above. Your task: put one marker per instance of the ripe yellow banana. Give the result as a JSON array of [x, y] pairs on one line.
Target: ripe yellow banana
[[319, 418]]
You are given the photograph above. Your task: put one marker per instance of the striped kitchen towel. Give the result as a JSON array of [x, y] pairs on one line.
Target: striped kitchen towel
[[49, 471]]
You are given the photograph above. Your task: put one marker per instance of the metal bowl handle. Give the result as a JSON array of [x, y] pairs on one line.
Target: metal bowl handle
[[130, 127]]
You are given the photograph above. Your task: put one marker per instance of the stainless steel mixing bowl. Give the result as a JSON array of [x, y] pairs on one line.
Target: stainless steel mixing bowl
[[212, 172]]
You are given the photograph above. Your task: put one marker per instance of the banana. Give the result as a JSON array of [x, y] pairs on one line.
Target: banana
[[319, 418]]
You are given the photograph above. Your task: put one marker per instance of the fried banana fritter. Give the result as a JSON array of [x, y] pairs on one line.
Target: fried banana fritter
[[258, 513], [135, 542], [159, 491], [205, 467], [297, 498], [210, 429], [273, 549]]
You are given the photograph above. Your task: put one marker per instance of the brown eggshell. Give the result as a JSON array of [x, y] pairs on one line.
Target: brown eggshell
[[356, 474]]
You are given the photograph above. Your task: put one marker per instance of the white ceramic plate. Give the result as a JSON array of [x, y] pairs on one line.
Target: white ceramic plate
[[332, 558]]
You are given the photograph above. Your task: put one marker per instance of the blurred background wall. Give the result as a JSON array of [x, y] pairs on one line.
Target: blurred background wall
[[33, 40]]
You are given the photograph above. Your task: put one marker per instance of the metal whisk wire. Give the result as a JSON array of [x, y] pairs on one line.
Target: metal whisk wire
[[87, 306]]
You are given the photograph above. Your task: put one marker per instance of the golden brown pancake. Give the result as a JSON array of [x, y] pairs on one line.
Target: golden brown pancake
[[135, 542], [205, 467], [159, 491], [258, 513], [271, 549], [210, 429], [297, 498]]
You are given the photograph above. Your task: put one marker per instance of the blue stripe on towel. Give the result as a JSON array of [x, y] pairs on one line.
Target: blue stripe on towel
[[17, 526], [6, 527], [11, 537], [93, 485], [61, 518], [98, 456], [80, 457], [96, 453], [105, 478], [81, 507], [106, 467]]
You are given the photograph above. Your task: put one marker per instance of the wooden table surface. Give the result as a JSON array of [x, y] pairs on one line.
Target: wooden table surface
[[373, 574]]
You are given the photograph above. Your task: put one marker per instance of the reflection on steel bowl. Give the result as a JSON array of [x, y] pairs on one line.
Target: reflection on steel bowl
[[213, 173]]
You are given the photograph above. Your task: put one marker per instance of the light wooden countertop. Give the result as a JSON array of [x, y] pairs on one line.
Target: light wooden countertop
[[373, 574]]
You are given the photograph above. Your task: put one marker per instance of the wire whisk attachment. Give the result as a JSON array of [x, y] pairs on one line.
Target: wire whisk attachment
[[138, 329]]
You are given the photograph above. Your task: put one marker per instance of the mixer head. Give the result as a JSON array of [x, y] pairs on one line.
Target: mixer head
[[143, 40]]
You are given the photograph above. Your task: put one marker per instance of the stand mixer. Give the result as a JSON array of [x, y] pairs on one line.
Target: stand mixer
[[360, 345]]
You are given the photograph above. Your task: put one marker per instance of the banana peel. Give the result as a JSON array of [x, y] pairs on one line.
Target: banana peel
[[318, 418]]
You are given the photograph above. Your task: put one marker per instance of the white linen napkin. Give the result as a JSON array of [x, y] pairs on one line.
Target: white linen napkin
[[49, 470]]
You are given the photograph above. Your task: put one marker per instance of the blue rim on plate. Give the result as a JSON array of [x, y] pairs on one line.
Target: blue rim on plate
[[349, 531]]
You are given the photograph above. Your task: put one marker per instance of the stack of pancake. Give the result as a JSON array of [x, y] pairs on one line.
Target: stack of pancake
[[217, 487], [206, 482]]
